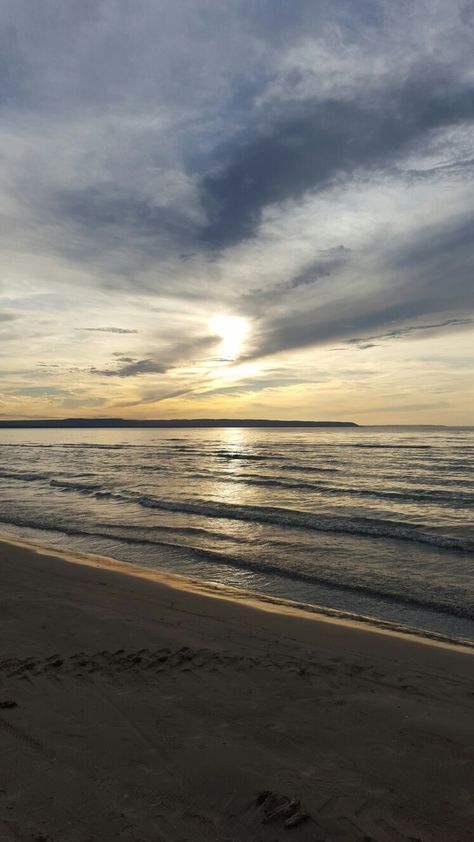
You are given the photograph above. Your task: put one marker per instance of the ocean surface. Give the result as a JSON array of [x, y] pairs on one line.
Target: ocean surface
[[376, 521]]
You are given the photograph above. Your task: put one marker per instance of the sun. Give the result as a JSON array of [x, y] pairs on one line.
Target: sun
[[232, 330]]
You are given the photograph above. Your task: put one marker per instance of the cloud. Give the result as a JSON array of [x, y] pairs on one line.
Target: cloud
[[426, 274], [399, 332], [107, 215], [321, 140], [120, 330], [322, 188], [132, 369], [326, 263], [250, 386]]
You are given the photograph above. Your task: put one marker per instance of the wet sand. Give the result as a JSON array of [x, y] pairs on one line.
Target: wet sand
[[147, 707]]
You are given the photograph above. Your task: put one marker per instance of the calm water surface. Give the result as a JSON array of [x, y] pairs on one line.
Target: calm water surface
[[373, 521]]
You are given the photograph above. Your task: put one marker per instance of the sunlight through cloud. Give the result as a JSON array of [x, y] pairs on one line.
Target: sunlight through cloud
[[232, 330]]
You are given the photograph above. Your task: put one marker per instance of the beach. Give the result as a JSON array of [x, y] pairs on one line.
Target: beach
[[137, 706]]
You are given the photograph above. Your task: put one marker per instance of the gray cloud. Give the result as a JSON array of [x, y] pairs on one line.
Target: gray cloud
[[324, 266], [129, 186], [308, 149], [133, 369], [399, 332], [426, 275], [254, 385], [103, 215], [327, 262], [120, 330]]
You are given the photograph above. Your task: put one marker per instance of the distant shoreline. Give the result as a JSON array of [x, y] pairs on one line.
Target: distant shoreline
[[123, 423]]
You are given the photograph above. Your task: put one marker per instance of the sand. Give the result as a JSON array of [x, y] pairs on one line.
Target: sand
[[140, 710]]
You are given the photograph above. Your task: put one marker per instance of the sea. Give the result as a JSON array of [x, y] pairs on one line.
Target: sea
[[372, 523]]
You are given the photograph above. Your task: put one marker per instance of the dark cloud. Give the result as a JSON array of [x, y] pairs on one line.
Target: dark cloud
[[327, 262], [307, 148], [133, 369], [107, 329], [177, 353], [366, 345], [324, 266], [441, 257], [428, 275], [406, 330], [333, 322], [105, 212], [464, 168]]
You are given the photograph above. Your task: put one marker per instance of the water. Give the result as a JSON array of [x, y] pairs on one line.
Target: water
[[372, 521]]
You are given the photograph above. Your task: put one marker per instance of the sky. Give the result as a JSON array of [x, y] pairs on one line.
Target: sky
[[250, 208]]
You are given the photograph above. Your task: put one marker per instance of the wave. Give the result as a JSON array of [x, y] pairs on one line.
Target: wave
[[80, 446], [38, 476], [84, 487], [460, 495], [456, 499], [67, 529], [65, 445], [309, 577], [280, 516], [364, 527], [453, 498], [260, 568], [388, 446], [251, 457], [312, 469], [24, 476]]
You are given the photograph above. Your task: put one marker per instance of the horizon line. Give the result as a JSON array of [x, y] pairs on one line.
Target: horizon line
[[166, 422]]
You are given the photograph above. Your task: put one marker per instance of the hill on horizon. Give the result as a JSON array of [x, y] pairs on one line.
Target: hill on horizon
[[76, 423]]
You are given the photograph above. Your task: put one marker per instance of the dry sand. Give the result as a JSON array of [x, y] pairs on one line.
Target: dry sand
[[146, 712]]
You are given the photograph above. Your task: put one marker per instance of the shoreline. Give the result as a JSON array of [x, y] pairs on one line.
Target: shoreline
[[256, 600], [136, 705]]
